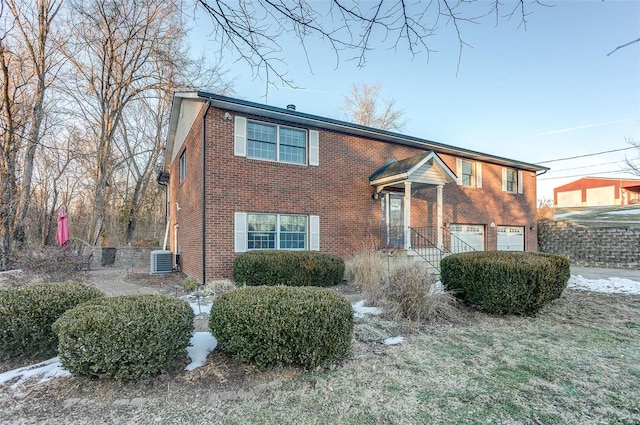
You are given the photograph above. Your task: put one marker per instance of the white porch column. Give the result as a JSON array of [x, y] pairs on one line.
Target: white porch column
[[407, 214], [439, 215]]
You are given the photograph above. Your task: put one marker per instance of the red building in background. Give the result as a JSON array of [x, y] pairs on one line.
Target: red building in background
[[597, 191]]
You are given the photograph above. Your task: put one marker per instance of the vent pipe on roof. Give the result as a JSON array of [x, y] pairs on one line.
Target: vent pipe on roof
[[291, 107]]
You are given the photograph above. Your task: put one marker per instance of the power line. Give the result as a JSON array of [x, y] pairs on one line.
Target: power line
[[589, 154], [585, 166], [626, 170]]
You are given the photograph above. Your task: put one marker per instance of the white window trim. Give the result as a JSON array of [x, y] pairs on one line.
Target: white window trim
[[519, 183], [312, 148], [241, 233], [182, 164], [477, 172]]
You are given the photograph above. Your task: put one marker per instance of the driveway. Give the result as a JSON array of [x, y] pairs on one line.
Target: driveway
[[602, 273]]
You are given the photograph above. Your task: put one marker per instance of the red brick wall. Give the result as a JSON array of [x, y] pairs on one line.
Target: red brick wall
[[188, 195], [338, 191]]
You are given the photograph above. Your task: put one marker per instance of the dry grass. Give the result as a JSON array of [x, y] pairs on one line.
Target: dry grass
[[411, 293], [366, 272], [218, 286], [578, 362]]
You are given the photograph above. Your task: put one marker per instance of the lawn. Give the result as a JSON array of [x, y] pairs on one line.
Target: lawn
[[578, 362], [606, 216]]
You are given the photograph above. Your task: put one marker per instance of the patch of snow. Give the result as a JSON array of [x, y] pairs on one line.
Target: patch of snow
[[359, 310], [202, 343], [623, 212], [436, 288], [613, 285], [394, 340], [47, 369], [569, 214]]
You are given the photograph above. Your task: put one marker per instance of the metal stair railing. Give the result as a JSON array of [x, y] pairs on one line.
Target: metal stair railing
[[426, 249], [456, 244]]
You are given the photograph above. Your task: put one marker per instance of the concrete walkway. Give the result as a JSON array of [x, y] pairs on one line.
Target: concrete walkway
[[112, 282], [602, 273]]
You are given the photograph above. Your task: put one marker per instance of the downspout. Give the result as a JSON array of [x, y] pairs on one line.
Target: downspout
[[204, 193]]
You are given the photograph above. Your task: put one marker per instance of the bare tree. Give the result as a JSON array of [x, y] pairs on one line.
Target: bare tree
[[253, 28], [34, 24], [112, 64], [362, 106], [634, 164]]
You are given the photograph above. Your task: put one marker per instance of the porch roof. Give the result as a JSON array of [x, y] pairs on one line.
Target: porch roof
[[427, 169]]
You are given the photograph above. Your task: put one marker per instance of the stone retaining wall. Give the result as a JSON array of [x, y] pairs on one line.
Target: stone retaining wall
[[122, 256], [617, 247]]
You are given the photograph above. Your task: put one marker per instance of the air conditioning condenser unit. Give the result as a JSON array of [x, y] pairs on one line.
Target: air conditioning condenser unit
[[161, 261]]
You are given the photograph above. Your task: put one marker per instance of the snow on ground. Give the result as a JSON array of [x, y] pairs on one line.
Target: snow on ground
[[359, 310], [47, 370], [394, 340], [613, 285], [202, 343], [623, 212], [569, 214]]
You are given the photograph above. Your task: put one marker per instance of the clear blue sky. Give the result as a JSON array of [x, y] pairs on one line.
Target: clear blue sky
[[545, 93]]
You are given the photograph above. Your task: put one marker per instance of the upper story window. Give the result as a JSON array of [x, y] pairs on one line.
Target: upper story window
[[183, 165], [511, 180], [260, 140], [276, 143], [469, 173]]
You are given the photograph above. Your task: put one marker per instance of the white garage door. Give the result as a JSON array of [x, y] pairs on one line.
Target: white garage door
[[510, 238], [472, 237], [571, 198], [601, 196]]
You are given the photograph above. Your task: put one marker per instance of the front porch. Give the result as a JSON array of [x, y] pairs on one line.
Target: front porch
[[396, 184]]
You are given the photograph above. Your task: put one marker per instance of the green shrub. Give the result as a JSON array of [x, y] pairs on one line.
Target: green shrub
[[125, 337], [276, 325], [27, 313], [189, 284], [506, 282], [291, 268]]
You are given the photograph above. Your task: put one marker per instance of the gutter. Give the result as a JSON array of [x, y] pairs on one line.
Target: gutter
[[204, 193]]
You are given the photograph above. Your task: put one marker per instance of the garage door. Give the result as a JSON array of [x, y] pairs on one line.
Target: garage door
[[466, 237], [601, 196], [510, 238], [571, 198]]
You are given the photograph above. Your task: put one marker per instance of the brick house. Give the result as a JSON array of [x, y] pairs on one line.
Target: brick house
[[597, 191], [242, 176]]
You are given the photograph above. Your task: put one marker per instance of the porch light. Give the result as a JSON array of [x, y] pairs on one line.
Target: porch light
[[375, 195], [493, 224]]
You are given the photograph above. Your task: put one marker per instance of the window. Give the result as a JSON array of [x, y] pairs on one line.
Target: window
[[183, 165], [268, 231], [511, 180], [276, 231], [469, 173], [276, 143]]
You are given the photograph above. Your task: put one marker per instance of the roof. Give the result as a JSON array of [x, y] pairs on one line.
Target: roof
[[630, 184], [247, 107]]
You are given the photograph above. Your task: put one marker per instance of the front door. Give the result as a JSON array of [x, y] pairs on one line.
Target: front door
[[393, 219]]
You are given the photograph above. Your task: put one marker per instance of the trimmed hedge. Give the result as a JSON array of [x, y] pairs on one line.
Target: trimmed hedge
[[276, 325], [290, 268], [506, 282], [27, 313], [126, 337]]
